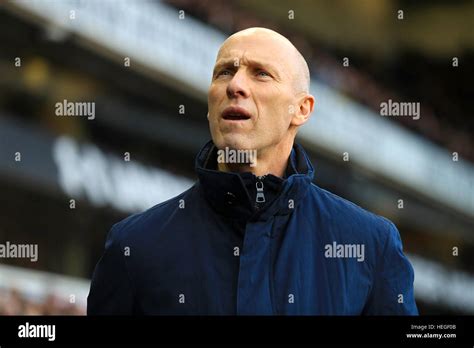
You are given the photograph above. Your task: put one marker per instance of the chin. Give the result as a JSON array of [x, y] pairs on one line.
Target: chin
[[235, 142]]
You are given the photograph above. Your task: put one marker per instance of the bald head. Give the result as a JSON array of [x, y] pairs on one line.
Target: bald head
[[294, 59], [259, 96]]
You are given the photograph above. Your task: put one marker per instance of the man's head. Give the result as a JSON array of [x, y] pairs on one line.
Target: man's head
[[259, 94]]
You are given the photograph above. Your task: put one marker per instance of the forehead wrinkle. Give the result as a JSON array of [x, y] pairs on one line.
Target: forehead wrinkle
[[261, 63]]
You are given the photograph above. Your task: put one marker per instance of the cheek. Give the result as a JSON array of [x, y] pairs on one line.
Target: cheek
[[277, 111], [215, 93]]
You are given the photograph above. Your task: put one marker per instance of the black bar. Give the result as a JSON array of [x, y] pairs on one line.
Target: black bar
[[291, 330]]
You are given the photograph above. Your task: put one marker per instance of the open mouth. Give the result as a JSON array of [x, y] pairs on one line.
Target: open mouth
[[236, 114], [236, 117]]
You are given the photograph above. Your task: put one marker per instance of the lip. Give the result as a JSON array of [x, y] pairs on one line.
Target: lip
[[230, 110]]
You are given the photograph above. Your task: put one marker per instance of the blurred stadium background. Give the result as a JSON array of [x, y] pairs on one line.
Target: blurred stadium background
[[147, 64]]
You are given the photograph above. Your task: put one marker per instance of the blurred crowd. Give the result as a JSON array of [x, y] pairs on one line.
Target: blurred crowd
[[14, 302]]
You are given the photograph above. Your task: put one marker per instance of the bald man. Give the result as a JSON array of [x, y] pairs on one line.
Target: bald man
[[261, 75], [254, 235]]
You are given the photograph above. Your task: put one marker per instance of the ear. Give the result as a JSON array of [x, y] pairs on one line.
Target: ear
[[304, 108]]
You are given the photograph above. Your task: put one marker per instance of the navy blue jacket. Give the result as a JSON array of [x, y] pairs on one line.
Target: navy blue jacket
[[224, 247]]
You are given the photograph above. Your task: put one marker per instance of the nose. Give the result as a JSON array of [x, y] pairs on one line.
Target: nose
[[238, 85]]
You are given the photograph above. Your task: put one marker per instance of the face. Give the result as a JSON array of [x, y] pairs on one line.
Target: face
[[252, 97]]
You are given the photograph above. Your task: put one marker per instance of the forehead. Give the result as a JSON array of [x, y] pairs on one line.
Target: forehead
[[263, 48]]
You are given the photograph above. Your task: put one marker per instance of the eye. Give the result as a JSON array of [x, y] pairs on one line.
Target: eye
[[223, 72], [263, 73]]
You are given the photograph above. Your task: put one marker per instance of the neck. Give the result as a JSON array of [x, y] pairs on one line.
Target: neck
[[269, 161]]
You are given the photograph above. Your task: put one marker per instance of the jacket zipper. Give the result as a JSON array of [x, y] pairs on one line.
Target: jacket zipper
[[260, 196], [259, 201]]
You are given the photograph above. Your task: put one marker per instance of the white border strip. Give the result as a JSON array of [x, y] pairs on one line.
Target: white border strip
[[38, 285]]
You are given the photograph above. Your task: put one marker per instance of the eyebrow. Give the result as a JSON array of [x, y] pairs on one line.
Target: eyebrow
[[230, 63]]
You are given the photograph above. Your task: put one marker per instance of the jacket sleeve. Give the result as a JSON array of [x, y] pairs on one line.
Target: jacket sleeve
[[392, 292], [111, 291]]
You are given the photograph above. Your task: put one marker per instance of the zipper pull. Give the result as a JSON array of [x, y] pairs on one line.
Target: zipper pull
[[260, 196]]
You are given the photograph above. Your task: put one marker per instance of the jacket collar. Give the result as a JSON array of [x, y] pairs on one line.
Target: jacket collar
[[234, 194]]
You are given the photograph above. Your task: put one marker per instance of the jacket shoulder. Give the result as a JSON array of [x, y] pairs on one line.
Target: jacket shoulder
[[133, 225], [337, 208]]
